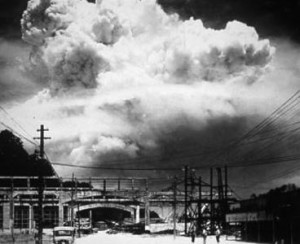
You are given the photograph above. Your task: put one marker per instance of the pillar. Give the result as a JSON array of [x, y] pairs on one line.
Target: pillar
[[60, 209], [60, 213], [31, 217], [137, 214], [60, 204], [91, 216], [6, 215], [69, 213], [147, 213], [11, 212]]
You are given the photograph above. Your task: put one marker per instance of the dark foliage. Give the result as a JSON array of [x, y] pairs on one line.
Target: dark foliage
[[15, 161]]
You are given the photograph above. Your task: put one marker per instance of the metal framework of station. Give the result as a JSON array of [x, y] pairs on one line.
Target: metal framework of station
[[189, 202]]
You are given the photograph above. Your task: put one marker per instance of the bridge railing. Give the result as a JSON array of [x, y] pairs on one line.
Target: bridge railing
[[67, 184]]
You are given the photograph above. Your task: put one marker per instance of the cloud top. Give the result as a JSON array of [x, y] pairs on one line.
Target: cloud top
[[128, 81]]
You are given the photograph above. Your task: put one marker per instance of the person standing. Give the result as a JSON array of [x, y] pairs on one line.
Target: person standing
[[193, 234], [218, 234], [204, 235]]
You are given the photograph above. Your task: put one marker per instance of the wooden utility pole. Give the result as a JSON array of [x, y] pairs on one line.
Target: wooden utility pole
[[211, 201], [225, 196], [72, 201], [226, 182], [78, 214], [199, 204], [174, 206], [185, 198], [42, 138], [41, 183], [40, 209], [11, 207]]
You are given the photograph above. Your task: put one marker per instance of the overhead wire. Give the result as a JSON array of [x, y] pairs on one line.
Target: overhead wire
[[183, 155], [17, 133], [287, 106], [277, 175], [15, 121], [264, 127], [114, 168]]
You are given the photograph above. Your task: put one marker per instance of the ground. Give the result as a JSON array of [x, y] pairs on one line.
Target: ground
[[122, 238]]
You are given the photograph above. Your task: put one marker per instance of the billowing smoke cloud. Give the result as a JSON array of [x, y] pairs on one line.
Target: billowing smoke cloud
[[128, 81], [16, 83]]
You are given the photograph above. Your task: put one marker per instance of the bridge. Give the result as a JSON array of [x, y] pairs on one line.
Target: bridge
[[114, 199], [65, 199]]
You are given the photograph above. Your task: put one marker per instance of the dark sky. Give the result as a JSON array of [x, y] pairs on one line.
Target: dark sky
[[270, 18], [10, 14]]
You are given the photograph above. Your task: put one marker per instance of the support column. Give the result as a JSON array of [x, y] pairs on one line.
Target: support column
[[212, 212], [60, 205], [137, 214], [147, 212], [91, 216], [6, 215], [186, 200], [60, 212], [69, 213], [31, 227], [11, 211], [174, 206], [199, 219]]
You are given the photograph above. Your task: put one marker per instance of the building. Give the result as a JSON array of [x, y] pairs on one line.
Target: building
[[270, 217]]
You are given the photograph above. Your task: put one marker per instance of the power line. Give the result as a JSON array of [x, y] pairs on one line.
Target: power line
[[234, 192], [248, 163], [279, 175], [258, 129], [20, 135], [117, 169], [12, 119], [289, 106]]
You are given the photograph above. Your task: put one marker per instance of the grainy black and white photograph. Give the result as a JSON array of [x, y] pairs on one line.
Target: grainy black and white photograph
[[149, 121]]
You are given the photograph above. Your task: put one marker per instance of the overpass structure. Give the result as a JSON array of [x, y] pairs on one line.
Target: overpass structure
[[115, 199], [64, 200]]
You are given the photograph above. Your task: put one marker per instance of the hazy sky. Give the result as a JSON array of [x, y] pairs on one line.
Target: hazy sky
[[128, 85]]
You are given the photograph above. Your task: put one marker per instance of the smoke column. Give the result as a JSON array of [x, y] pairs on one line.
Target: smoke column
[[127, 81]]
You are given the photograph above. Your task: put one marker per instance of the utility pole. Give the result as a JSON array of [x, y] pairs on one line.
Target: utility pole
[[211, 201], [221, 206], [78, 214], [42, 138], [72, 201], [199, 220], [192, 202], [41, 183], [185, 199], [225, 196], [174, 206], [11, 207]]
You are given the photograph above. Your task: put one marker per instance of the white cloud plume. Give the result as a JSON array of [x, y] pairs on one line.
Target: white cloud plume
[[126, 79]]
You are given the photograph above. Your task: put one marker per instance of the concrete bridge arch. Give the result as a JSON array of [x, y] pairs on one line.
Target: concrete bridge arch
[[113, 211], [130, 209]]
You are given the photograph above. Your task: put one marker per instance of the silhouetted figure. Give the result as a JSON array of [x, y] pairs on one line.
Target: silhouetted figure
[[204, 235], [218, 234], [193, 236]]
